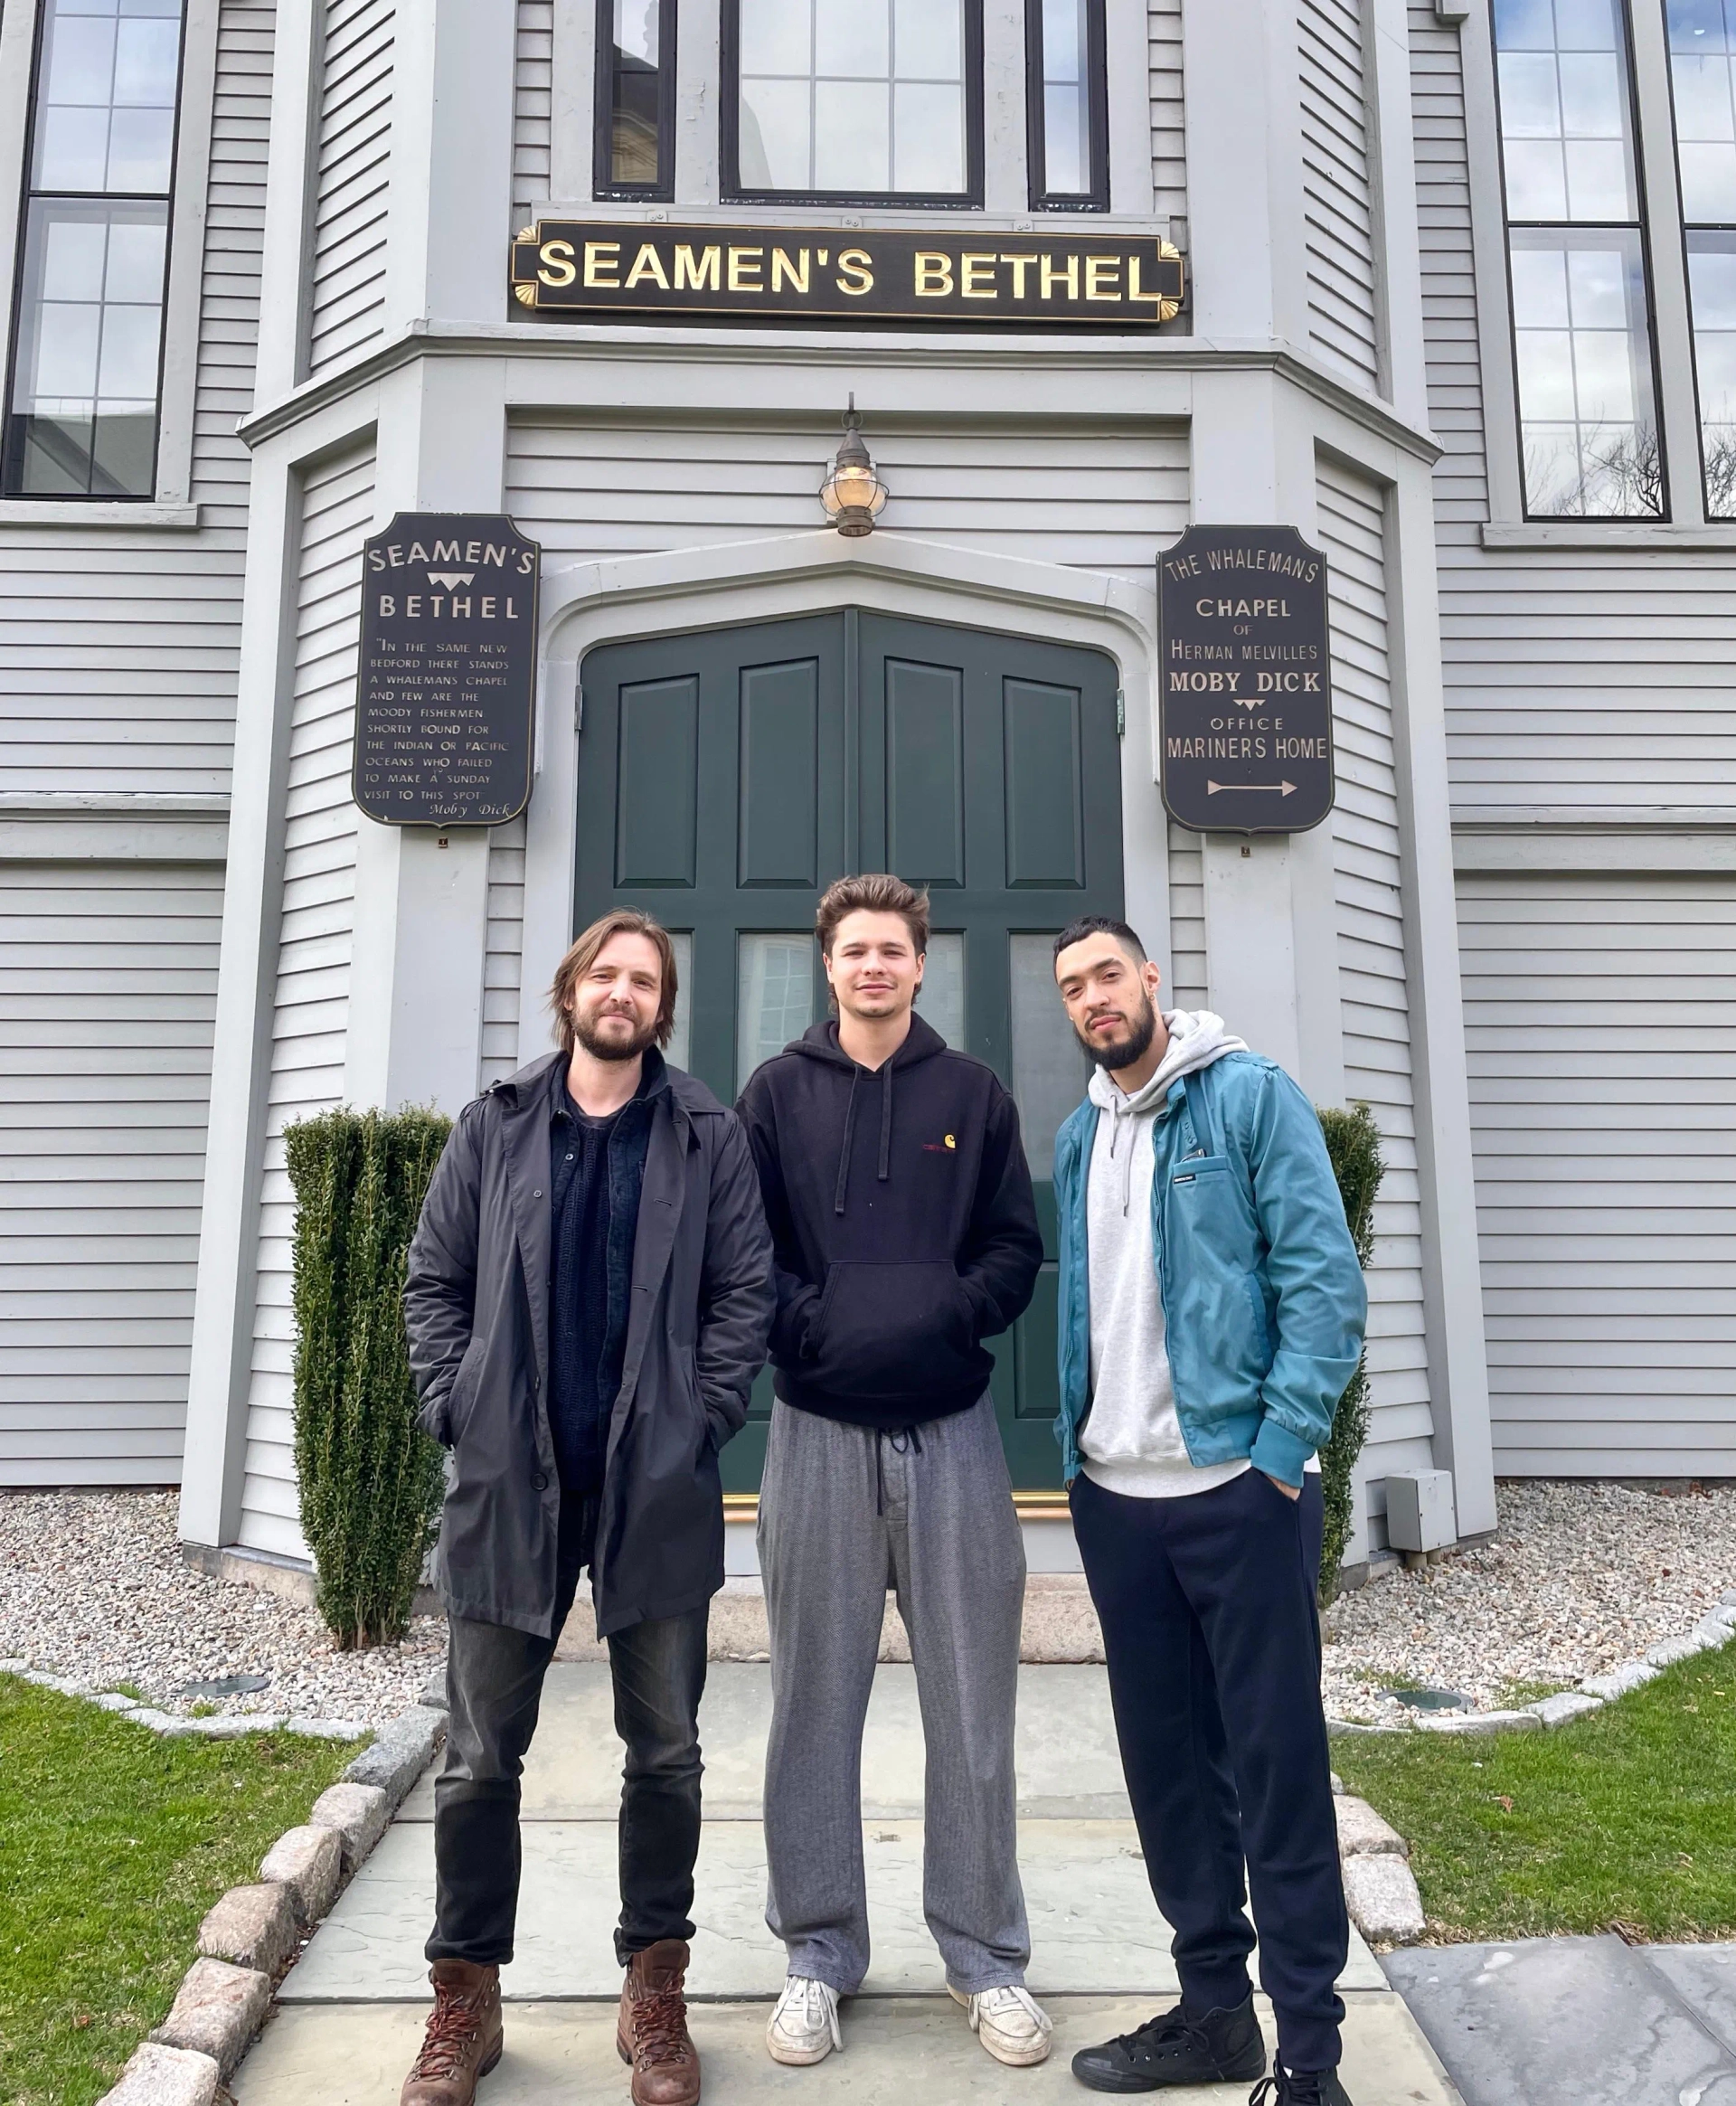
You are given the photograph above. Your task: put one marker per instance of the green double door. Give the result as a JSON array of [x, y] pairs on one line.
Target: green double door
[[725, 777]]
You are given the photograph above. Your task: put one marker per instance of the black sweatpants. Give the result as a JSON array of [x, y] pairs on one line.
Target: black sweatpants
[[1213, 1638], [493, 1680]]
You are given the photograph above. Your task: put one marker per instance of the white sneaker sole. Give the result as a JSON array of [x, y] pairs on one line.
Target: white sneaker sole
[[1016, 2055], [795, 2057]]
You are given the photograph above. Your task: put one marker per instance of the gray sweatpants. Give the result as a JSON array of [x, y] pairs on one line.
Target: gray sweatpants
[[844, 1513]]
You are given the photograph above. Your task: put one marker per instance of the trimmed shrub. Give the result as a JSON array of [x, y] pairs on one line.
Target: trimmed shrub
[[1353, 1144], [371, 1484]]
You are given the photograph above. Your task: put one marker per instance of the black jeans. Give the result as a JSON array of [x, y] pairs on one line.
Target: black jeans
[[1213, 1638], [494, 1682]]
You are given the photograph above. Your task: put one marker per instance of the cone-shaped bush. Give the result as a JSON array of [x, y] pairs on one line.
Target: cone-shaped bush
[[371, 1484], [1353, 1144]]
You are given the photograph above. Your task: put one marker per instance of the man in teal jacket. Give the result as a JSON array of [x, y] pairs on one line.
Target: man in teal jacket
[[1211, 1314]]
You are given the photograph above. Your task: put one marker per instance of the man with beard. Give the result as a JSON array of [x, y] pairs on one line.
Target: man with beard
[[587, 1306], [1210, 1315]]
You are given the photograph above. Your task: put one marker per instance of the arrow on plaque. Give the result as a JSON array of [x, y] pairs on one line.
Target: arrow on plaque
[[1283, 788]]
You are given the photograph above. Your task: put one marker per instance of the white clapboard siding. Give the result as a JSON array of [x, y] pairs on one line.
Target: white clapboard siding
[[229, 326], [1168, 110], [1601, 1025], [119, 646], [1372, 984], [352, 173], [1582, 680], [533, 106], [107, 988], [311, 1005], [1188, 980], [1337, 190], [501, 973], [590, 486]]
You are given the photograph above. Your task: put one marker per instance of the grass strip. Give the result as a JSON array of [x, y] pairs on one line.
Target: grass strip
[[1623, 1819], [113, 1843]]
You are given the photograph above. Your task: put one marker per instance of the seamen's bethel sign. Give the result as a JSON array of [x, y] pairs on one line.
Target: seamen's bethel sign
[[796, 274]]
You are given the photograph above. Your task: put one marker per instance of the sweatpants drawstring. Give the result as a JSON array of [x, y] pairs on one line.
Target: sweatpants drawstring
[[905, 1441]]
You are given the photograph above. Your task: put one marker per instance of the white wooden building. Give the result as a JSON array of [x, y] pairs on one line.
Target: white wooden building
[[1461, 308]]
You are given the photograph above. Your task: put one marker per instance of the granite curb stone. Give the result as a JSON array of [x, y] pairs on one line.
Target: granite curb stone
[[252, 1926], [1481, 1723], [308, 1862], [356, 1814], [165, 2076], [401, 1754], [1381, 1894], [1566, 1706], [217, 2010], [1626, 1675], [1362, 1833]]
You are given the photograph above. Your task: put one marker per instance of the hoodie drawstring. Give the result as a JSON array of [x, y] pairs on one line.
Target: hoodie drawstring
[[885, 1072], [849, 1131], [905, 1441]]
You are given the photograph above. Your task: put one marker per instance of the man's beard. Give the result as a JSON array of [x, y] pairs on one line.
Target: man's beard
[[612, 1049], [1128, 1051]]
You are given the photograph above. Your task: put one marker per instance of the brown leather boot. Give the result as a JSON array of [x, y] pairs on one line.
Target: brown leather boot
[[652, 2033], [464, 2038]]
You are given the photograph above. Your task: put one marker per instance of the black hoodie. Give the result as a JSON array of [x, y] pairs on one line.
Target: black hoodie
[[902, 1225]]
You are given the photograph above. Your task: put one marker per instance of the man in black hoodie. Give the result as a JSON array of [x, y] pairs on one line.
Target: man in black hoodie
[[903, 1235]]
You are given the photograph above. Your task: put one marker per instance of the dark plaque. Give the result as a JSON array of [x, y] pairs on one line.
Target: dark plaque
[[448, 686], [801, 274], [1245, 711]]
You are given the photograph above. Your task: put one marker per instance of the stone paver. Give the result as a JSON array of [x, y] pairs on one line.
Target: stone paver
[[896, 2051], [1578, 2021]]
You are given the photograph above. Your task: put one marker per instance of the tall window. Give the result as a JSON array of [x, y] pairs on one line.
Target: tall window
[[870, 102], [1067, 92], [1703, 77], [635, 102], [88, 336], [1588, 407]]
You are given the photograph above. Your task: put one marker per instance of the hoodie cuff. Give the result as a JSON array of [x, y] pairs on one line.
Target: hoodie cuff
[[1279, 1452]]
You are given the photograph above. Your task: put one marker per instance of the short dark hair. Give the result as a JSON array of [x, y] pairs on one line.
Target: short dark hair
[[586, 949], [875, 893], [1100, 925]]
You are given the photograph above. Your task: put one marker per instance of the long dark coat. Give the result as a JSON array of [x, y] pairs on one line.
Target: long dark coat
[[476, 1308]]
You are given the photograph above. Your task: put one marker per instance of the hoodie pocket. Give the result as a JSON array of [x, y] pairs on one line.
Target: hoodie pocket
[[892, 1330]]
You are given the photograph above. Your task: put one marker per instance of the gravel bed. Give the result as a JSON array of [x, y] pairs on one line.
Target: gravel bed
[[93, 1586], [1583, 1575]]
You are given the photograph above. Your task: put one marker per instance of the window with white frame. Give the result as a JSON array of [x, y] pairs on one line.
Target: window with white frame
[[86, 364], [853, 101], [1577, 262], [1703, 83]]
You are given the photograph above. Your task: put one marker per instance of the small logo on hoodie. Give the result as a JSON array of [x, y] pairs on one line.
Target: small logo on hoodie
[[939, 1148]]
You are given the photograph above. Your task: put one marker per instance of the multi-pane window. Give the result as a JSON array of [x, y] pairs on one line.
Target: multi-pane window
[[1068, 103], [870, 100], [87, 361], [1588, 407], [636, 74], [1703, 77]]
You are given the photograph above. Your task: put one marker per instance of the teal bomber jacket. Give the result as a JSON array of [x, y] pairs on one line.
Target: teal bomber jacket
[[1264, 1303]]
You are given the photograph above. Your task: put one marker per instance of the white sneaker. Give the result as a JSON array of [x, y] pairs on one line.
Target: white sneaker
[[1011, 2025], [804, 2028]]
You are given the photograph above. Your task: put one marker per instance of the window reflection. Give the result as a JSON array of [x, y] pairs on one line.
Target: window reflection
[[1050, 1069], [1067, 63], [1703, 77], [941, 996], [860, 98], [83, 406], [774, 997], [633, 145]]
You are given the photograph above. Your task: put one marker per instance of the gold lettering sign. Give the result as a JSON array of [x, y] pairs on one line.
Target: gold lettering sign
[[796, 274]]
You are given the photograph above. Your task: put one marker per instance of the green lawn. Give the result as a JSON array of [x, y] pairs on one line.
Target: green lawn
[[113, 1843], [1627, 1817]]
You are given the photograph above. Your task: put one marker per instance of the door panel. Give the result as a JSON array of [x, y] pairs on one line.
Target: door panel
[[736, 772]]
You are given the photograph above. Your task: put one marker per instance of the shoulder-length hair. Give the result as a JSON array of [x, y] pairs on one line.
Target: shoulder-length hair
[[583, 955]]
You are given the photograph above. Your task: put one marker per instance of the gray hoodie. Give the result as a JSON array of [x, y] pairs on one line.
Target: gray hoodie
[[1131, 1440]]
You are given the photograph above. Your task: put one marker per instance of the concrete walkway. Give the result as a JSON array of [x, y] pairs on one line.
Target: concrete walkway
[[352, 2011], [1579, 2021]]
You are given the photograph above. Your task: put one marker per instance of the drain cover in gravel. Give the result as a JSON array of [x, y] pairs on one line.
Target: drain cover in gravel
[[226, 1685], [1433, 1699]]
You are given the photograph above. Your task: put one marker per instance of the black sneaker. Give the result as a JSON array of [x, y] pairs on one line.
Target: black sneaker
[[1299, 2088], [1174, 2049]]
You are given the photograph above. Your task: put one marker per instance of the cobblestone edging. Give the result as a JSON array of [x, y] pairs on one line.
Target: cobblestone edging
[[1379, 1888], [253, 1935]]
